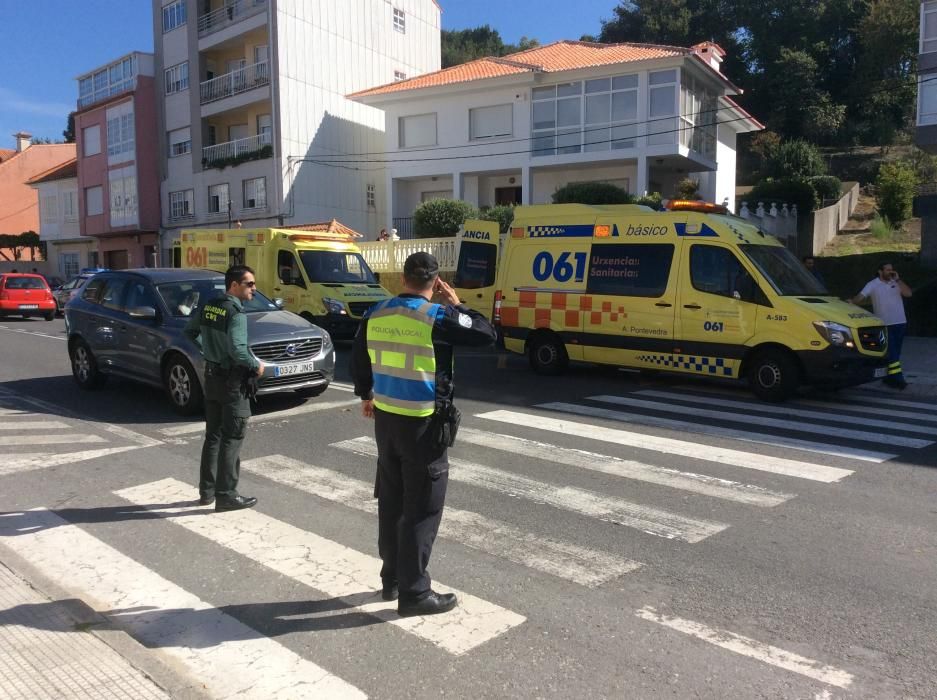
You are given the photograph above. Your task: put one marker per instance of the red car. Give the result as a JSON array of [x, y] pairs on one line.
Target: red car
[[25, 295]]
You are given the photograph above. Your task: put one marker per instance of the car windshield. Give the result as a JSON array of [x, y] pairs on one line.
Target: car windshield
[[25, 283], [336, 266], [182, 297], [783, 271]]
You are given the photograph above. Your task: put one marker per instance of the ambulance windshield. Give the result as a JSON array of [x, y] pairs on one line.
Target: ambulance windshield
[[336, 267], [783, 271]]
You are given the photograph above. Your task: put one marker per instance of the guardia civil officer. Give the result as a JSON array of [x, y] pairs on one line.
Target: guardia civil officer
[[402, 367], [220, 328]]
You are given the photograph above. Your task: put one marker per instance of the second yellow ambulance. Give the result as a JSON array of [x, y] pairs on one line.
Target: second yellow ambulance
[[692, 290]]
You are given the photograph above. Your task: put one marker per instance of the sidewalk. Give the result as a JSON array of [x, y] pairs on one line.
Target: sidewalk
[[46, 652], [919, 362]]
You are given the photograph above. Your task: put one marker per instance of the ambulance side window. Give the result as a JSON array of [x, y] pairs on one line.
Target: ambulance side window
[[477, 263], [288, 269], [632, 270], [716, 270], [237, 256]]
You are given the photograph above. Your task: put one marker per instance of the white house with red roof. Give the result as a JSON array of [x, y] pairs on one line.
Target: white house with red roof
[[511, 130]]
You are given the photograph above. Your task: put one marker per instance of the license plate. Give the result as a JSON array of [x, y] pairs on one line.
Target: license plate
[[299, 368], [29, 306], [881, 372]]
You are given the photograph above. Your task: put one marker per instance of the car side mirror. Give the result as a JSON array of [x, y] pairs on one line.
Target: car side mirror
[[144, 313], [278, 302]]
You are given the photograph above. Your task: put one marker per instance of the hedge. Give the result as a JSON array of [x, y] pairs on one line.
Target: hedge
[[789, 191], [591, 193], [437, 218]]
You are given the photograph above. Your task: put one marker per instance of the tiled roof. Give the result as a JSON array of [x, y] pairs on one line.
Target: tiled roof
[[6, 154], [552, 58], [59, 172], [333, 226]]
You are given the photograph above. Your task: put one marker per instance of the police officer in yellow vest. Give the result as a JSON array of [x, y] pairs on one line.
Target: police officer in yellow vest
[[220, 329], [402, 367]]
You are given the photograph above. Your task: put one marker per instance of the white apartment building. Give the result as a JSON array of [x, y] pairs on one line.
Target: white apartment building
[[512, 130], [252, 103], [59, 227]]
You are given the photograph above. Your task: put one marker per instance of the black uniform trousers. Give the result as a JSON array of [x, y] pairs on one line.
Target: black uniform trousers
[[227, 410], [412, 475]]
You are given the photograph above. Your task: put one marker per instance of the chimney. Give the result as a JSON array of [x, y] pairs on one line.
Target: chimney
[[711, 53], [23, 141]]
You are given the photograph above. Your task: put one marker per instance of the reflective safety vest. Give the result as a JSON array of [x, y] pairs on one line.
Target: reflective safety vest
[[403, 361]]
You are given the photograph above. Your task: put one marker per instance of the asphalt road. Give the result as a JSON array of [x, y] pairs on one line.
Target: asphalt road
[[613, 535]]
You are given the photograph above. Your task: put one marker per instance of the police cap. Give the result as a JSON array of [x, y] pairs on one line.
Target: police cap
[[421, 266]]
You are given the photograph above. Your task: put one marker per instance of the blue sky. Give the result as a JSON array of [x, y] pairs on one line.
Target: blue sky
[[50, 42]]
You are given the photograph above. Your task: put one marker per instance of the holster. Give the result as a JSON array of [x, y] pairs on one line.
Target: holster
[[446, 420]]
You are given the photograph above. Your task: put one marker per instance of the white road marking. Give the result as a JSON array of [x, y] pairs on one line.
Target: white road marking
[[309, 407], [231, 659], [693, 450], [890, 400], [35, 425], [718, 431], [751, 648], [750, 419], [745, 407], [25, 332], [326, 566], [59, 439], [883, 411], [14, 463], [342, 387], [16, 413], [587, 567], [627, 468], [652, 521]]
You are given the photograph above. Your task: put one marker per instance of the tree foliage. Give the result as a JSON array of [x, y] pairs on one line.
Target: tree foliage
[[895, 188], [503, 214], [69, 133], [463, 45], [591, 193], [794, 159]]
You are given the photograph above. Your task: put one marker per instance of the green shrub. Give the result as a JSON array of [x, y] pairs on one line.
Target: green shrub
[[503, 214], [881, 229], [826, 187], [591, 193], [441, 217], [790, 191], [895, 185], [687, 189], [794, 159], [652, 200]]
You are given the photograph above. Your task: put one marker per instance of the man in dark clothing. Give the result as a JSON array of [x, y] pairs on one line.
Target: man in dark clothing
[[220, 329], [402, 367]]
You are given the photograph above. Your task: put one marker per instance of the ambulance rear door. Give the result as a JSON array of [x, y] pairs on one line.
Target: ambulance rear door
[[477, 265]]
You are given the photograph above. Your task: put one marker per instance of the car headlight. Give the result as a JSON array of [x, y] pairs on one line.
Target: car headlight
[[333, 306], [835, 333], [326, 341]]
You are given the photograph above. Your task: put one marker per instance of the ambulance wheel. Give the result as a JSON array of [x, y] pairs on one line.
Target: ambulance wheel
[[547, 354], [773, 375]]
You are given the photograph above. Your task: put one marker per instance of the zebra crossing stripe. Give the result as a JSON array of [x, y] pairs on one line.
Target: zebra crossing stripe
[[231, 659], [684, 448], [324, 565], [652, 521], [33, 461], [35, 425], [587, 567], [750, 419], [788, 410], [59, 439], [718, 431], [882, 411], [627, 468], [891, 401], [751, 648], [309, 407]]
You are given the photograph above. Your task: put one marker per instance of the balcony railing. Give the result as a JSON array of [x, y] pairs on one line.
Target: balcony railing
[[238, 151], [235, 82], [231, 12]]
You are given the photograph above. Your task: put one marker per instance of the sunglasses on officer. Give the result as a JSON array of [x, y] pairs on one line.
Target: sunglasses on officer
[[248, 283]]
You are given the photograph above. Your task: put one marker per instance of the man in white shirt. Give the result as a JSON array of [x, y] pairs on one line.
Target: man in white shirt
[[886, 292]]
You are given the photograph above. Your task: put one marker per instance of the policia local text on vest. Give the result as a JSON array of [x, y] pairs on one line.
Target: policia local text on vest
[[402, 365]]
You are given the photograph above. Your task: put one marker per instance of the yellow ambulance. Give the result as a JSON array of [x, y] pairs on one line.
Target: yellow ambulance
[[319, 275], [691, 290]]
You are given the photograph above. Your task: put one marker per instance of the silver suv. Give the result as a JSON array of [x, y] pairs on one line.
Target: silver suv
[[129, 323]]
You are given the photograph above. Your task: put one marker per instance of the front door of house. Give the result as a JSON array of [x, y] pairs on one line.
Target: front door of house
[[507, 196]]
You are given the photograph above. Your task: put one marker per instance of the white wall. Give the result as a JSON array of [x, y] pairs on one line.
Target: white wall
[[60, 228], [726, 159]]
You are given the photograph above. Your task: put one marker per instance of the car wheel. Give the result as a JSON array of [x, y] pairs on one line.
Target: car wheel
[[773, 375], [50, 316], [547, 354], [310, 392], [182, 386], [85, 367]]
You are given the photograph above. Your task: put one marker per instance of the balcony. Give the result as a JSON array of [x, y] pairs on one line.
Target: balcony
[[235, 82], [232, 12], [239, 151]]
